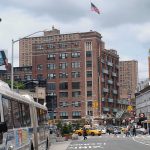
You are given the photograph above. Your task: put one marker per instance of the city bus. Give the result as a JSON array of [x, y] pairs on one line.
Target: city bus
[[23, 122]]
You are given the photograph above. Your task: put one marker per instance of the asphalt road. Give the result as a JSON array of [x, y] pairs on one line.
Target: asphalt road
[[111, 142]]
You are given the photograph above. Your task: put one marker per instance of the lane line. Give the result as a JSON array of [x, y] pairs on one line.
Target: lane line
[[140, 142]]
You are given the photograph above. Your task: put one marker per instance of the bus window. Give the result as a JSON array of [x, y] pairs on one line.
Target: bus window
[[41, 116], [25, 115], [16, 115], [7, 109]]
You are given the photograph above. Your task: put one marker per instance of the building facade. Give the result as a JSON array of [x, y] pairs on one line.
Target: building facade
[[143, 102], [128, 78], [82, 76], [25, 46]]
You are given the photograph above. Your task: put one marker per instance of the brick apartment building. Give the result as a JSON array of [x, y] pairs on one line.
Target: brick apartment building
[[128, 78], [82, 76]]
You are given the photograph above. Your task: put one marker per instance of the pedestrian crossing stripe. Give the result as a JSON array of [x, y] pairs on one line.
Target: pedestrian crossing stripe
[[87, 145]]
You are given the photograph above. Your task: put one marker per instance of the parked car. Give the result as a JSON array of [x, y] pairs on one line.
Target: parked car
[[142, 131], [89, 132]]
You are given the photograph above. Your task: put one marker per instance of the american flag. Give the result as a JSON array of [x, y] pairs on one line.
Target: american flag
[[94, 8]]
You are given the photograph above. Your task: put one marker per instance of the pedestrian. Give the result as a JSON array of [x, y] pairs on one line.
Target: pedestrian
[[115, 131], [126, 132], [108, 131], [134, 131], [84, 133], [149, 130]]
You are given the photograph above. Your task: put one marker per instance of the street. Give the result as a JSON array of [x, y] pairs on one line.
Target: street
[[111, 142]]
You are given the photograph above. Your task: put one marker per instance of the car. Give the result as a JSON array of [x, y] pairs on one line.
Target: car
[[123, 129], [89, 131], [118, 130], [142, 131], [103, 129]]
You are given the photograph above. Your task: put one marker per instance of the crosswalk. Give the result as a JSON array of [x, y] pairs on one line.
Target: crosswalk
[[142, 139], [93, 145]]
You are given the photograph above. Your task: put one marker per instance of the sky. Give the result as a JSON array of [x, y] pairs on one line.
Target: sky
[[124, 25]]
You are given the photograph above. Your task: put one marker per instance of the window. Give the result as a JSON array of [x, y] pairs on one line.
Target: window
[[16, 115], [51, 56], [51, 76], [63, 104], [63, 55], [39, 47], [89, 93], [41, 116], [76, 94], [51, 86], [88, 53], [63, 86], [25, 114], [51, 66], [63, 65], [76, 104], [75, 54], [89, 83], [89, 103], [76, 114], [90, 113], [75, 74], [75, 65], [64, 115], [7, 109], [63, 94], [75, 85], [39, 67], [89, 73], [88, 46], [63, 75], [88, 64], [50, 45]]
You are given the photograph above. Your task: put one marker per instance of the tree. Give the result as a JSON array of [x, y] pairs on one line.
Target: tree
[[17, 84]]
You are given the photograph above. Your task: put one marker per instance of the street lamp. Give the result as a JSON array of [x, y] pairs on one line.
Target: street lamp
[[12, 65]]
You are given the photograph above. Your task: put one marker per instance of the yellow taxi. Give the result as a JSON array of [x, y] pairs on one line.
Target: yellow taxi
[[89, 131], [123, 129]]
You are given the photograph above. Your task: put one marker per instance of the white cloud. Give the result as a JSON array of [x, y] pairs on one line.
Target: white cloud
[[124, 25]]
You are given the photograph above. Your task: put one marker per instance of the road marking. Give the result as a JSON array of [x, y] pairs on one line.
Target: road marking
[[140, 141], [87, 146]]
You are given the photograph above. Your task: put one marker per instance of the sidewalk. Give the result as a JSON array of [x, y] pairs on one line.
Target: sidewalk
[[60, 145]]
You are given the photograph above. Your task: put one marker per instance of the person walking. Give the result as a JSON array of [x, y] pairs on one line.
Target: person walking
[[84, 133], [115, 131], [134, 131], [108, 131]]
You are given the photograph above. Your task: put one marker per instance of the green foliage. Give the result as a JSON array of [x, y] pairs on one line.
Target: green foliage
[[59, 125], [65, 129], [16, 85]]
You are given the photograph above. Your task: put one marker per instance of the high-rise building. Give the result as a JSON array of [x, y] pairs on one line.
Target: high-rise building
[[128, 78], [25, 46], [82, 76]]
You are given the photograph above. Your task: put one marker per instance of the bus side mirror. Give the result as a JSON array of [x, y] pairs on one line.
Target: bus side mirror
[[3, 127]]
